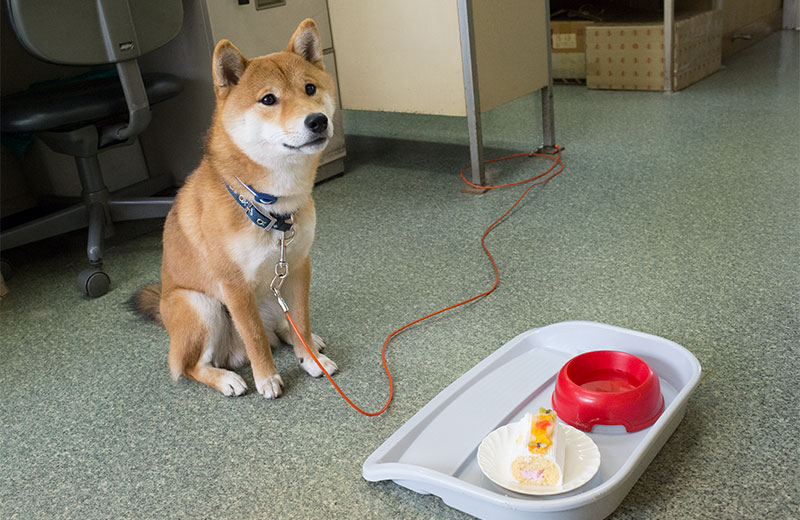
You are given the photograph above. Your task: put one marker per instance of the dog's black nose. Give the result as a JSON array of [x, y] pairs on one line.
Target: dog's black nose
[[317, 123]]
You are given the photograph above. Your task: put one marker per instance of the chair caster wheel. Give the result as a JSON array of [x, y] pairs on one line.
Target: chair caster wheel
[[93, 282], [6, 268]]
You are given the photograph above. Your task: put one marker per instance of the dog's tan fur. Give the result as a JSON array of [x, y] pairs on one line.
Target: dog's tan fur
[[214, 299]]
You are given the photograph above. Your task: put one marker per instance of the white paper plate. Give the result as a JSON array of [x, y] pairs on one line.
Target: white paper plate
[[581, 460]]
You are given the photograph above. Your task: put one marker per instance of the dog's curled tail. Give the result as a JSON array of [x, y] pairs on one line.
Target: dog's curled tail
[[146, 302]]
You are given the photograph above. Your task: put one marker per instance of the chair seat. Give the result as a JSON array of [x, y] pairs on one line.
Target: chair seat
[[69, 106]]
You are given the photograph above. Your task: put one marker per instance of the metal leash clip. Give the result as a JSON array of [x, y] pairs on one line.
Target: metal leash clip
[[282, 267]]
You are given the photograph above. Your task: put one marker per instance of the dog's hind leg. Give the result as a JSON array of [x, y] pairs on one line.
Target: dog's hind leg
[[197, 324]]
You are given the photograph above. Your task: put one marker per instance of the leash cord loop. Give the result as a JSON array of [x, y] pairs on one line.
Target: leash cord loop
[[276, 290]]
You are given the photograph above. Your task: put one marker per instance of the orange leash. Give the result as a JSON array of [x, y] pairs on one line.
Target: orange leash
[[556, 161]]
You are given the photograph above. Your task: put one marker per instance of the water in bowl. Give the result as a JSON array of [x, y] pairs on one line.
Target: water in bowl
[[610, 381]]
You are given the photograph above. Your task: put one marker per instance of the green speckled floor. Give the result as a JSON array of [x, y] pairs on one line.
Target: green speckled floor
[[677, 215]]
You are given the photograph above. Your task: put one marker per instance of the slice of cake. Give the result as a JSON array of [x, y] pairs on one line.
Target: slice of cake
[[538, 452]]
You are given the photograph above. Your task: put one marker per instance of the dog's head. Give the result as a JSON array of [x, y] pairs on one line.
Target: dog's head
[[277, 106]]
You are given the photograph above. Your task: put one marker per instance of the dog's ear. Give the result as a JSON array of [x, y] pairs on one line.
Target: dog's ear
[[229, 65], [306, 42]]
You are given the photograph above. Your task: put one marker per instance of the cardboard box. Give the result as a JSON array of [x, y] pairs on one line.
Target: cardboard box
[[627, 57], [568, 46], [631, 56], [697, 48]]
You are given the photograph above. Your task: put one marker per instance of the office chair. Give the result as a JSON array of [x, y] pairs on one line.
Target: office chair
[[84, 117]]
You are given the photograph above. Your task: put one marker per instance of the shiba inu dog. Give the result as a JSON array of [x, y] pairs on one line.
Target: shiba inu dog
[[222, 237]]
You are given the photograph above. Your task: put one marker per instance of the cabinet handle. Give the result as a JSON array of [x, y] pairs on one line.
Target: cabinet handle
[[267, 4]]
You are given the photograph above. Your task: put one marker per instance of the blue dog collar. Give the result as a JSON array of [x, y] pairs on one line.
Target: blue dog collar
[[261, 198], [270, 221]]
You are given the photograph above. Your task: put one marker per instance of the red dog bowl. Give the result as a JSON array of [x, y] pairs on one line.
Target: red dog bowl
[[608, 387]]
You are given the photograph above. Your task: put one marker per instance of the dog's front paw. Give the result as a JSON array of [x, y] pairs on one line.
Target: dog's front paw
[[270, 387], [232, 384], [312, 368], [318, 342]]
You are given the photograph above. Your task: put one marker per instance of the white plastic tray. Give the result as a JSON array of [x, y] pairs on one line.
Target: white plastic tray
[[435, 451]]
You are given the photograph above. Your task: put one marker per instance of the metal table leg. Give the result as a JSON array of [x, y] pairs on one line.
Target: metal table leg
[[669, 26], [467, 32], [472, 97], [548, 121]]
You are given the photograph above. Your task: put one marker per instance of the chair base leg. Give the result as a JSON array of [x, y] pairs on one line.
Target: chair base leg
[[139, 208], [98, 212], [64, 221]]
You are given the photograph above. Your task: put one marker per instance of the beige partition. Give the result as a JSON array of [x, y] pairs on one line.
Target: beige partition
[[511, 48], [405, 56], [398, 56]]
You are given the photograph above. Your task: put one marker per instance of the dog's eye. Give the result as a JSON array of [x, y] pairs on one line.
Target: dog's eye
[[269, 99], [311, 89]]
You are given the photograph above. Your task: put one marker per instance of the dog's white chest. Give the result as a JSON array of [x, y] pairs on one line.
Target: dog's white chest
[[257, 251], [255, 255]]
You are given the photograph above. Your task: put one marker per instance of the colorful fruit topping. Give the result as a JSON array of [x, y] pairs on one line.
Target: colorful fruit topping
[[542, 427]]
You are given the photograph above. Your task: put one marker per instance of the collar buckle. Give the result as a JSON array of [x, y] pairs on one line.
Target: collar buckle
[[268, 221]]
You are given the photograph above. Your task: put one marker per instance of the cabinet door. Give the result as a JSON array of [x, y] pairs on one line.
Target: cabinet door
[[259, 32], [336, 146]]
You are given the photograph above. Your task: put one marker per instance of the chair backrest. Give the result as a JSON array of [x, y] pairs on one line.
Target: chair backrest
[[94, 32]]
